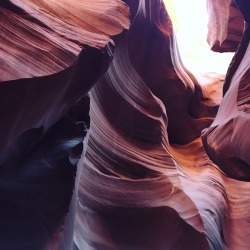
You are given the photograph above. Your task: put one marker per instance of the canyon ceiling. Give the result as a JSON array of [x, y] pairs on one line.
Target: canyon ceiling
[[109, 141]]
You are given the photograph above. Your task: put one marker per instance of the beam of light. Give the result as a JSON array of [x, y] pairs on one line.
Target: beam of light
[[189, 20]]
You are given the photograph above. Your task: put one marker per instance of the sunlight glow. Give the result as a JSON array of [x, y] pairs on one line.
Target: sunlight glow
[[189, 20]]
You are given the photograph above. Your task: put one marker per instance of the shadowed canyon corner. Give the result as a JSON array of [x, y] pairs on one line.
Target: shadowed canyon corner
[[125, 125]]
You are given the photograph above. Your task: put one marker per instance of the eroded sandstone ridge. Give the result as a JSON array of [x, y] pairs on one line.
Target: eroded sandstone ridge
[[225, 27], [43, 37], [160, 168]]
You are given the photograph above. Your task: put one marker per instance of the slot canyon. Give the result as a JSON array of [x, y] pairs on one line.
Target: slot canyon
[[123, 127]]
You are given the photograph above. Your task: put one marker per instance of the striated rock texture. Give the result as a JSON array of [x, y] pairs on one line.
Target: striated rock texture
[[43, 37], [44, 119], [225, 140], [146, 178], [146, 181], [225, 27]]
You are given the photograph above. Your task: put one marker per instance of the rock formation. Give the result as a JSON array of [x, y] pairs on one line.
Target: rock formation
[[226, 25], [159, 168]]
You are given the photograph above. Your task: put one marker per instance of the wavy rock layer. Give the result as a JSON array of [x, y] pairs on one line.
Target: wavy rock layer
[[38, 159], [44, 37], [128, 171], [228, 149], [138, 176], [40, 102], [144, 180], [226, 144], [44, 118]]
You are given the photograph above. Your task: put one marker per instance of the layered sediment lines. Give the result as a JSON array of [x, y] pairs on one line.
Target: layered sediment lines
[[136, 170], [45, 77], [227, 141], [146, 179], [43, 37]]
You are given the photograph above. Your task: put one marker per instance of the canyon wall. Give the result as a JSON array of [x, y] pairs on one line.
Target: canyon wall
[[108, 141]]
